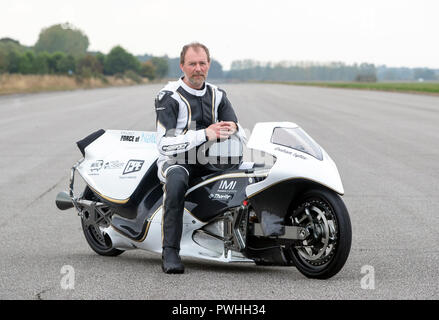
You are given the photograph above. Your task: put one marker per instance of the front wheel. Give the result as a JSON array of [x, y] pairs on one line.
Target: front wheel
[[324, 252]]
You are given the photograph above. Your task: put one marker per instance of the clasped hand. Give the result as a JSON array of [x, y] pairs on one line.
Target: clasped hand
[[221, 130]]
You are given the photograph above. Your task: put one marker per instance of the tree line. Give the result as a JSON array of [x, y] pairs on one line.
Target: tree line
[[306, 71], [334, 71], [62, 49]]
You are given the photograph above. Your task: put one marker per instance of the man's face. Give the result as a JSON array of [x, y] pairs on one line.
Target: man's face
[[195, 67]]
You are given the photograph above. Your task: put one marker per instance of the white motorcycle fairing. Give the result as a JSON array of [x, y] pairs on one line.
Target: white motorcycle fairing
[[115, 163], [292, 163]]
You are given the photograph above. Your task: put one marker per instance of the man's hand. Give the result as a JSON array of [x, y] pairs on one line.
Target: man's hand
[[220, 130], [230, 125]]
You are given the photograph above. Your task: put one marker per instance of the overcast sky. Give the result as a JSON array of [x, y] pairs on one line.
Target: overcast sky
[[391, 32]]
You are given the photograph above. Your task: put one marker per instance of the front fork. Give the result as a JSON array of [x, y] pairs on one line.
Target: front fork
[[71, 187], [92, 212]]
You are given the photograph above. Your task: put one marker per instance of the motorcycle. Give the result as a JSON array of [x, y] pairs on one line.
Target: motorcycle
[[288, 213]]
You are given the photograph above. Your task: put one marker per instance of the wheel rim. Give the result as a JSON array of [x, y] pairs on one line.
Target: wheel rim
[[98, 237], [318, 249], [93, 221]]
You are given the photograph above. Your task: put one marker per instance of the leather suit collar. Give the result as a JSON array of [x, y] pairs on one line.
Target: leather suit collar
[[198, 93]]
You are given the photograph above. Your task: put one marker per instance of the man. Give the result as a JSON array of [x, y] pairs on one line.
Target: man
[[189, 112]]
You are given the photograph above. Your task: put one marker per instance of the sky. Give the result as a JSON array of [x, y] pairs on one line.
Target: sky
[[395, 33]]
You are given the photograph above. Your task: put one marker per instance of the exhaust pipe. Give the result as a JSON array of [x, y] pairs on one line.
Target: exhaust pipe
[[63, 201]]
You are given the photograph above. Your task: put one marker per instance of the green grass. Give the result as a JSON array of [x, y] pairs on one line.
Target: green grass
[[413, 87]]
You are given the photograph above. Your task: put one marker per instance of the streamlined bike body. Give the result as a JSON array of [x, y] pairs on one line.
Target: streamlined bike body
[[289, 213]]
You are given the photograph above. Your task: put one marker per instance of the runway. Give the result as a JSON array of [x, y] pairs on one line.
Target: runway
[[385, 146]]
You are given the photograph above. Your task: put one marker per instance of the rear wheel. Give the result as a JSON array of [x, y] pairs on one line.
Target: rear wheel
[[324, 252], [92, 221]]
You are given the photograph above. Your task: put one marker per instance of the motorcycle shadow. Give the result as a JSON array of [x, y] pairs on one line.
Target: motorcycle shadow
[[191, 264]]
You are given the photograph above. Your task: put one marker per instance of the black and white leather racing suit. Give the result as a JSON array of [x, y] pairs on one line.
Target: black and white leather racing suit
[[183, 114]]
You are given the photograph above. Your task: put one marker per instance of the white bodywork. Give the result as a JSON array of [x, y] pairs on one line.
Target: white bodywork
[[116, 162], [107, 170], [188, 248], [291, 163]]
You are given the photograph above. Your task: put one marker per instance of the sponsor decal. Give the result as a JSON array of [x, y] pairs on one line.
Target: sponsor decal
[[148, 137], [175, 147], [283, 150], [296, 155], [133, 166], [227, 185], [115, 164], [129, 138], [128, 133], [216, 196], [144, 137], [96, 166]]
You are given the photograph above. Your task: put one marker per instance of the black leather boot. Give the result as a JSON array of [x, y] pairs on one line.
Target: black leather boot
[[171, 261]]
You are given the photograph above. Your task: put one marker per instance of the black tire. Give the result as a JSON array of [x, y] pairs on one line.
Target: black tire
[[101, 244], [333, 208]]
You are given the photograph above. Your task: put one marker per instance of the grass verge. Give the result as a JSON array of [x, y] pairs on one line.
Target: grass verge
[[18, 83], [409, 87]]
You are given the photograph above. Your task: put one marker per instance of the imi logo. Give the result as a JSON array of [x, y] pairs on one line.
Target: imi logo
[[227, 186], [133, 166]]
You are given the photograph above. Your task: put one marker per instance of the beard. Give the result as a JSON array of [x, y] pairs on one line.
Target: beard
[[197, 80]]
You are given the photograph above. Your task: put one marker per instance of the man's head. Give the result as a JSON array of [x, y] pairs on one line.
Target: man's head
[[195, 64]]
